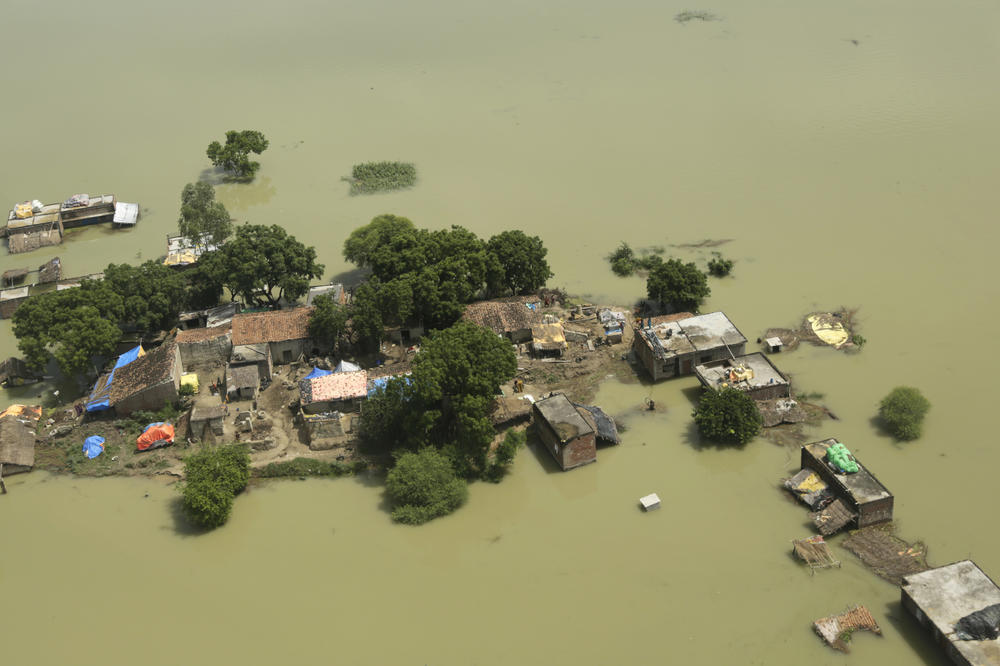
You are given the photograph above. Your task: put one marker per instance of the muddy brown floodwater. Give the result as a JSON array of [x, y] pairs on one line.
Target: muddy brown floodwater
[[847, 174]]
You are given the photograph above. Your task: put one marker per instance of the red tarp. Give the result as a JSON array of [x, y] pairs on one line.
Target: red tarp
[[155, 435]]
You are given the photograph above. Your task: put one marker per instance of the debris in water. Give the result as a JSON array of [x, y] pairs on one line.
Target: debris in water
[[700, 15]]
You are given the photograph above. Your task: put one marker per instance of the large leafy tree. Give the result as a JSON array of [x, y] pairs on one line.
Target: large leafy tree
[[202, 214], [681, 285], [456, 377], [234, 155], [389, 245], [517, 263], [152, 295], [262, 265], [729, 416], [72, 326], [212, 478], [328, 322]]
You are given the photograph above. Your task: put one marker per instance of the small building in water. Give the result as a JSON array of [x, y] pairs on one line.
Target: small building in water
[[564, 432], [17, 445], [754, 374], [864, 496], [959, 605], [672, 345]]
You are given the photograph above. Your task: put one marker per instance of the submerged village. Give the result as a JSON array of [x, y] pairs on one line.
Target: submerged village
[[224, 362]]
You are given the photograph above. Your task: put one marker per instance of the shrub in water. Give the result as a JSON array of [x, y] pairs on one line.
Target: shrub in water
[[213, 476], [903, 412], [373, 177], [423, 486], [729, 416]]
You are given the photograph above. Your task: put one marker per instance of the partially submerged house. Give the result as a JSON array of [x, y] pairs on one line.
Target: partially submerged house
[[205, 345], [960, 606], [754, 374], [11, 299], [285, 332], [17, 445], [50, 271], [335, 392], [672, 345], [140, 380], [839, 498], [564, 432], [15, 372], [509, 317], [185, 251]]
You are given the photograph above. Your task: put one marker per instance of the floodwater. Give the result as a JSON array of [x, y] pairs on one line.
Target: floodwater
[[859, 175]]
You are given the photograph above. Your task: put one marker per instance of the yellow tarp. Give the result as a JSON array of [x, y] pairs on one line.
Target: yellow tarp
[[190, 379], [828, 329], [180, 259], [740, 373], [811, 484], [23, 210]]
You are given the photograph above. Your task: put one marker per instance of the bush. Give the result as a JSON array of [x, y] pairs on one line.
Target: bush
[[903, 412], [719, 266], [213, 477], [678, 283], [309, 467], [622, 260], [505, 454], [373, 177], [423, 486], [729, 416]]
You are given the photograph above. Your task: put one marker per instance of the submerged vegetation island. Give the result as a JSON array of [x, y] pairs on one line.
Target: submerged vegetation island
[[373, 177], [903, 411], [234, 155]]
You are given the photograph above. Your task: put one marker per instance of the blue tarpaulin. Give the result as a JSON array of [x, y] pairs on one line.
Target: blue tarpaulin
[[379, 383], [93, 446], [100, 395], [316, 372]]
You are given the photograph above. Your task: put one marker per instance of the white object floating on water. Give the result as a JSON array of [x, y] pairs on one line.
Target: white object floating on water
[[650, 502]]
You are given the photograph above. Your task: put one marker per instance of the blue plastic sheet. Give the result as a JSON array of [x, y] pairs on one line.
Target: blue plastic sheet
[[93, 446], [316, 372]]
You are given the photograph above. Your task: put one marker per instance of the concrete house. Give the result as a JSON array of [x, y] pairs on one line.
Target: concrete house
[[940, 598], [672, 345], [242, 382], [334, 291], [258, 356], [564, 432], [754, 374], [205, 345], [149, 382], [285, 332], [205, 420], [509, 317]]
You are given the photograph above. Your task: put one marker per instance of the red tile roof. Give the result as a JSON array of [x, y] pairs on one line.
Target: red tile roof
[[274, 326]]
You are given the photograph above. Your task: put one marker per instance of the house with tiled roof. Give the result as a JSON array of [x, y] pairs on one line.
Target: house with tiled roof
[[336, 392], [205, 345], [149, 382], [509, 317], [285, 332]]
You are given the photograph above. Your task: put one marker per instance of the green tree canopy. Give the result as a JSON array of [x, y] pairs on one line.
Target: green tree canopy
[[903, 411], [729, 416], [152, 295], [234, 155], [517, 263], [72, 326], [423, 486], [328, 322], [679, 284], [259, 260], [212, 478], [202, 214]]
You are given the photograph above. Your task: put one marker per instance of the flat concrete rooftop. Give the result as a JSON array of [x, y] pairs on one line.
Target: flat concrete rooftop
[[716, 373], [947, 594], [560, 413], [694, 334], [862, 486]]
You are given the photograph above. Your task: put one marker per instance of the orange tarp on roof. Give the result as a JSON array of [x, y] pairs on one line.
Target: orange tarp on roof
[[33, 412]]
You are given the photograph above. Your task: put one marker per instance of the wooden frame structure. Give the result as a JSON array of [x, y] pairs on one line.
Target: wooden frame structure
[[815, 552]]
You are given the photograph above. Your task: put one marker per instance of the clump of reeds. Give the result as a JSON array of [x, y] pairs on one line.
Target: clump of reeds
[[372, 177], [699, 15]]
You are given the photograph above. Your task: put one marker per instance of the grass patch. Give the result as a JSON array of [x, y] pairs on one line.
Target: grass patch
[[372, 177], [300, 467]]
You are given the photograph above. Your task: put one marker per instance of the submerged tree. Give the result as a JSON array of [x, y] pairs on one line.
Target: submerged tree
[[212, 478], [234, 155], [202, 214], [903, 411], [729, 416], [423, 486]]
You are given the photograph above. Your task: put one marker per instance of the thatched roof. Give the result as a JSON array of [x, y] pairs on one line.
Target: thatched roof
[[17, 442], [503, 315], [150, 369]]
